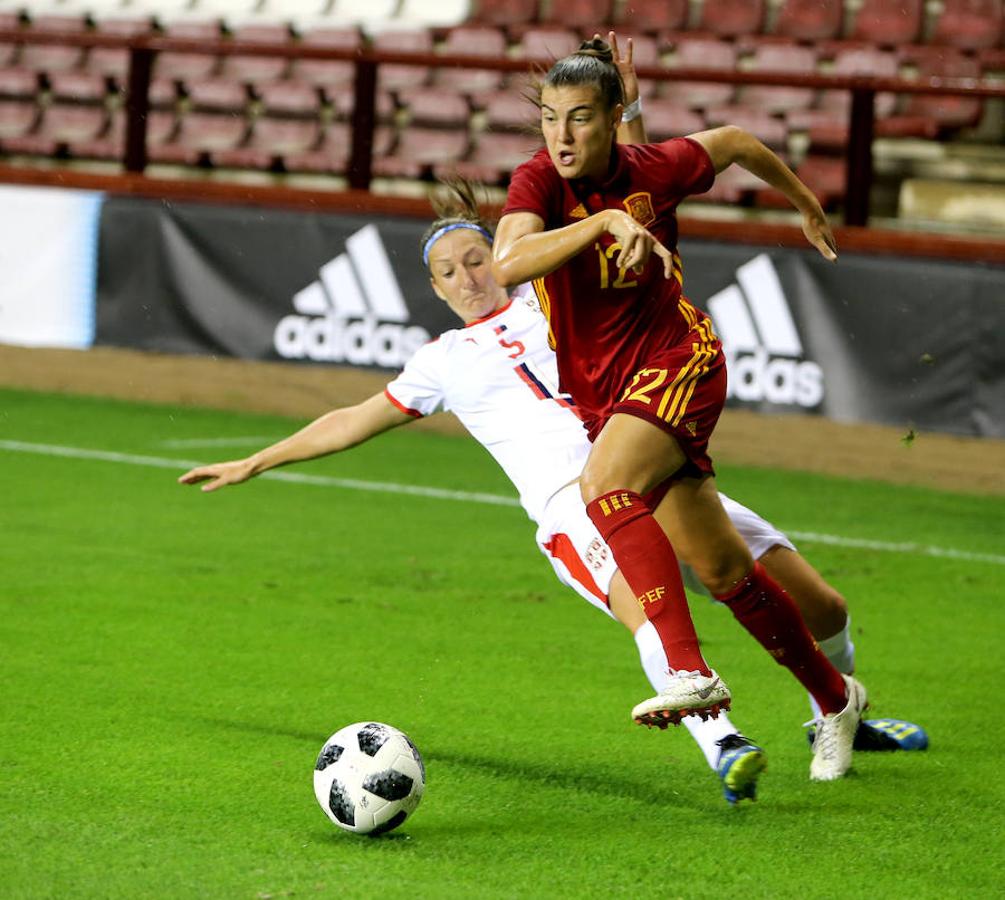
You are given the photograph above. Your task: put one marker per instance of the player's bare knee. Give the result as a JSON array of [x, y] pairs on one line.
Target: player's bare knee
[[720, 572]]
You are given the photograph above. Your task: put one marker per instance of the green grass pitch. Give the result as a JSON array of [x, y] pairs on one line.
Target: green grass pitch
[[172, 663]]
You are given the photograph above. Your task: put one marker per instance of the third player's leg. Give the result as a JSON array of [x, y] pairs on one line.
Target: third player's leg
[[823, 608]]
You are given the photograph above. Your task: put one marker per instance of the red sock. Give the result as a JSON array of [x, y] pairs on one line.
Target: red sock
[[770, 615], [649, 565]]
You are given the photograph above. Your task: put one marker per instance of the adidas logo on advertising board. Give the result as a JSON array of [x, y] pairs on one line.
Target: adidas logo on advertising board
[[354, 313], [763, 349]]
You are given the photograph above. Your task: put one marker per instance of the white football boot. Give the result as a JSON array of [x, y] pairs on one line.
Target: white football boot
[[835, 735], [685, 694]]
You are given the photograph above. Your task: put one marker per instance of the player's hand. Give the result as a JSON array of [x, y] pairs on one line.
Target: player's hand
[[818, 233], [218, 475], [625, 66], [637, 244]]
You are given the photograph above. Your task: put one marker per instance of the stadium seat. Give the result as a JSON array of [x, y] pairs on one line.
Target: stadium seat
[[270, 141], [473, 40], [254, 69], [581, 15], [655, 17], [970, 24], [343, 104], [494, 157], [332, 74], [198, 136], [435, 106], [60, 124], [9, 52], [767, 128], [732, 186], [188, 66], [545, 45], [824, 175], [511, 111], [789, 58], [218, 95], [810, 20], [932, 115], [17, 118], [110, 61], [419, 149], [21, 83], [700, 53], [888, 24], [110, 145], [827, 124], [392, 76], [665, 120], [732, 18], [53, 57], [80, 87], [331, 155], [506, 13], [296, 98]]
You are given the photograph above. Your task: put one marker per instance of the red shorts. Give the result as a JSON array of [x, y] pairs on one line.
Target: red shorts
[[682, 391]]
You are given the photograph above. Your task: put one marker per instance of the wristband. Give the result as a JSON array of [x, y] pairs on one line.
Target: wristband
[[632, 110]]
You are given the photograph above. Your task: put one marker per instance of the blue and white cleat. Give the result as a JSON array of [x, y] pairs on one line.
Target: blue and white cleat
[[740, 765], [890, 734]]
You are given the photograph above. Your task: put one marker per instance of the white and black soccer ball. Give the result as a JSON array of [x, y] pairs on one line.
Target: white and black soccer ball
[[369, 777]]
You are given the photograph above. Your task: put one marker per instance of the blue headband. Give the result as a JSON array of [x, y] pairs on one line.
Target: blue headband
[[436, 235]]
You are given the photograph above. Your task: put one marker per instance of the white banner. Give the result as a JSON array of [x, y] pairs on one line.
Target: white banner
[[48, 266]]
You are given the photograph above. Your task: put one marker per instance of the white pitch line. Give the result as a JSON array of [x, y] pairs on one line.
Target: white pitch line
[[387, 487], [161, 462]]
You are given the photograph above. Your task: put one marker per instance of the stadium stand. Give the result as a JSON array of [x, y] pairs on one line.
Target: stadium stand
[[810, 20], [886, 24], [660, 18], [700, 53], [286, 114], [473, 40]]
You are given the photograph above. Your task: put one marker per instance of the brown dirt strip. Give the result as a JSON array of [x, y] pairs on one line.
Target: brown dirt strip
[[806, 443]]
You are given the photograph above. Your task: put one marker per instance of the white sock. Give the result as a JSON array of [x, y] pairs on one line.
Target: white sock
[[839, 649], [655, 665], [708, 733]]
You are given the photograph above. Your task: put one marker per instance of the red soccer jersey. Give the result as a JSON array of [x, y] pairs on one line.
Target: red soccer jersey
[[605, 323]]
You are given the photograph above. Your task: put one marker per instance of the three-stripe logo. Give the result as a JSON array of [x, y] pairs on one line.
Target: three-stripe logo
[[354, 312], [763, 349]]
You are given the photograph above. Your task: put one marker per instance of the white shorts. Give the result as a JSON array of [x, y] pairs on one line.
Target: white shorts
[[583, 561]]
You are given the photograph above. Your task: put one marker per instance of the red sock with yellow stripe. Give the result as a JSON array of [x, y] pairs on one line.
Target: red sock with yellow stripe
[[763, 607], [646, 559]]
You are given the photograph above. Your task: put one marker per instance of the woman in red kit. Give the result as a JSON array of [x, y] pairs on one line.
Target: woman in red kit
[[592, 223]]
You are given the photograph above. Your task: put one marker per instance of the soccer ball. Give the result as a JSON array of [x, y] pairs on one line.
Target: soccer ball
[[369, 777]]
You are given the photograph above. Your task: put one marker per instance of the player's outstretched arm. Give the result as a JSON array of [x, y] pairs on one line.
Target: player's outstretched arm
[[729, 144], [333, 432]]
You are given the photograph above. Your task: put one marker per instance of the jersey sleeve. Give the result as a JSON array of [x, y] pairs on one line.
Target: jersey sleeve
[[688, 167], [532, 187], [418, 389]]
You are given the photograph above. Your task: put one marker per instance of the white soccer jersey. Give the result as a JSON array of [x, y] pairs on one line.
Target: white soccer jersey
[[499, 377]]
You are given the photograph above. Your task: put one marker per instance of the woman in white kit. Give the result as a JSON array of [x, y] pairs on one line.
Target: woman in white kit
[[498, 376]]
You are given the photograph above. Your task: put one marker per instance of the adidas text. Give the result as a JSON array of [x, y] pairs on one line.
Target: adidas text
[[757, 376], [362, 342]]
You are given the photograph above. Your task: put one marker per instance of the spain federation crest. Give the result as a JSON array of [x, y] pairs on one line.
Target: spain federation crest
[[640, 208]]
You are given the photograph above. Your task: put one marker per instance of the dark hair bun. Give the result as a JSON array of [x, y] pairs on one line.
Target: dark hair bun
[[597, 48]]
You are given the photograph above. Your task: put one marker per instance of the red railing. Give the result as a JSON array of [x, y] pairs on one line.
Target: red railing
[[143, 50]]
